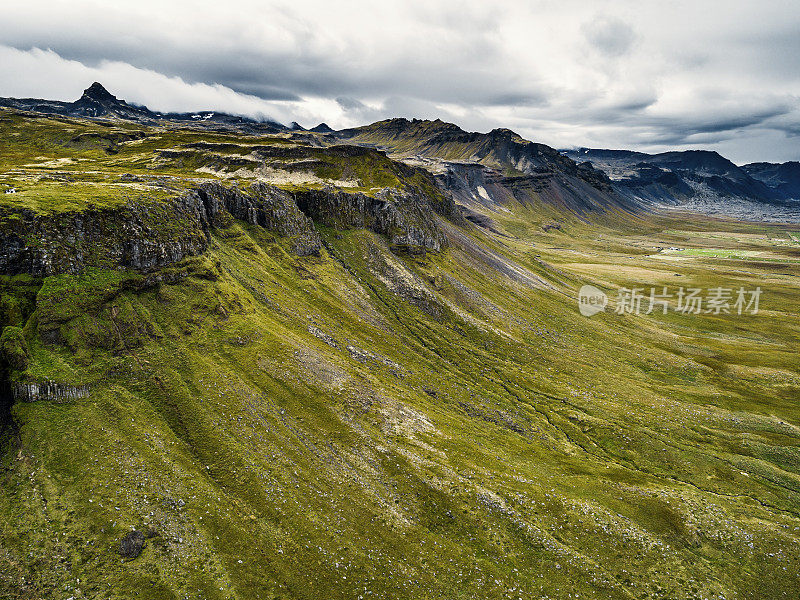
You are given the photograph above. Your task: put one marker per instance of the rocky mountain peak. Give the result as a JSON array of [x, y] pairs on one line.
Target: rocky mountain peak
[[97, 101], [322, 128], [503, 132], [98, 93]]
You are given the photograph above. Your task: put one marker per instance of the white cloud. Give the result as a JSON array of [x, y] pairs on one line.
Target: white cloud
[[44, 74]]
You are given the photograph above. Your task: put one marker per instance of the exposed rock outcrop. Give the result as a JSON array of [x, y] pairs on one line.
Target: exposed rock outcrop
[[405, 218], [149, 235], [141, 236], [132, 544], [137, 236], [264, 205], [47, 390]]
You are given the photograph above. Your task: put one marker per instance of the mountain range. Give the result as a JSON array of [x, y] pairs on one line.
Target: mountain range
[[678, 176], [578, 177], [97, 102]]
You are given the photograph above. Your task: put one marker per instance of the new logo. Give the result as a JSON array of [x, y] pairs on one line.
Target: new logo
[[591, 300]]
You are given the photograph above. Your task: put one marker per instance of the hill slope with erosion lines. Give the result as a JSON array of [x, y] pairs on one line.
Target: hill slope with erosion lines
[[227, 374]]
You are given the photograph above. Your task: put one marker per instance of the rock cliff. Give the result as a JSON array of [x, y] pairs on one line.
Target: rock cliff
[[405, 218], [148, 235]]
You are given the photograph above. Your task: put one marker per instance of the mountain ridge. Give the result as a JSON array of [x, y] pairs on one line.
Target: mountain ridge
[[680, 175], [97, 102], [785, 177], [511, 168], [519, 169]]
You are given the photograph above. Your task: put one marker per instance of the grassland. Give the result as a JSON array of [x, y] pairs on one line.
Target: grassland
[[56, 164], [367, 425]]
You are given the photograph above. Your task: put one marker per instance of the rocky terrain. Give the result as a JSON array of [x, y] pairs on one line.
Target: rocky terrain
[[516, 168], [783, 177], [700, 181], [243, 361]]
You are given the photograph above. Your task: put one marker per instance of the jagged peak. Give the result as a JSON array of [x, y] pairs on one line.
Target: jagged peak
[[322, 128], [98, 92], [504, 132]]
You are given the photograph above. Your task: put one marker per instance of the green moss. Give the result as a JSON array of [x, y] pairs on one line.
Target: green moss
[[14, 348], [64, 297], [54, 197]]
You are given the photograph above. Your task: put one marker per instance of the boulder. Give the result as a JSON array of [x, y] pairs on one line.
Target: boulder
[[131, 545]]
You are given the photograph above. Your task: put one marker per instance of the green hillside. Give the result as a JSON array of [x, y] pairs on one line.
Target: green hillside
[[297, 372]]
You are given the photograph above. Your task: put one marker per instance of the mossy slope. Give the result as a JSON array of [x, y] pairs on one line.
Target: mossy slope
[[364, 423]]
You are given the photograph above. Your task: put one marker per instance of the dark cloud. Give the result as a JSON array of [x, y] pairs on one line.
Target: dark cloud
[[729, 124], [350, 103], [517, 99], [609, 35], [262, 90], [453, 59]]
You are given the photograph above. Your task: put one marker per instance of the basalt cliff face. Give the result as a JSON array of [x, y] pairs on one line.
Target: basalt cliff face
[[147, 235], [405, 218], [141, 236]]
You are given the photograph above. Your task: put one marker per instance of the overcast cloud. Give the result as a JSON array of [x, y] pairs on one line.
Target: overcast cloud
[[651, 76]]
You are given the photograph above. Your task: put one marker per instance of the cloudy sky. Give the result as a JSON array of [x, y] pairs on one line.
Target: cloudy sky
[[637, 74]]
